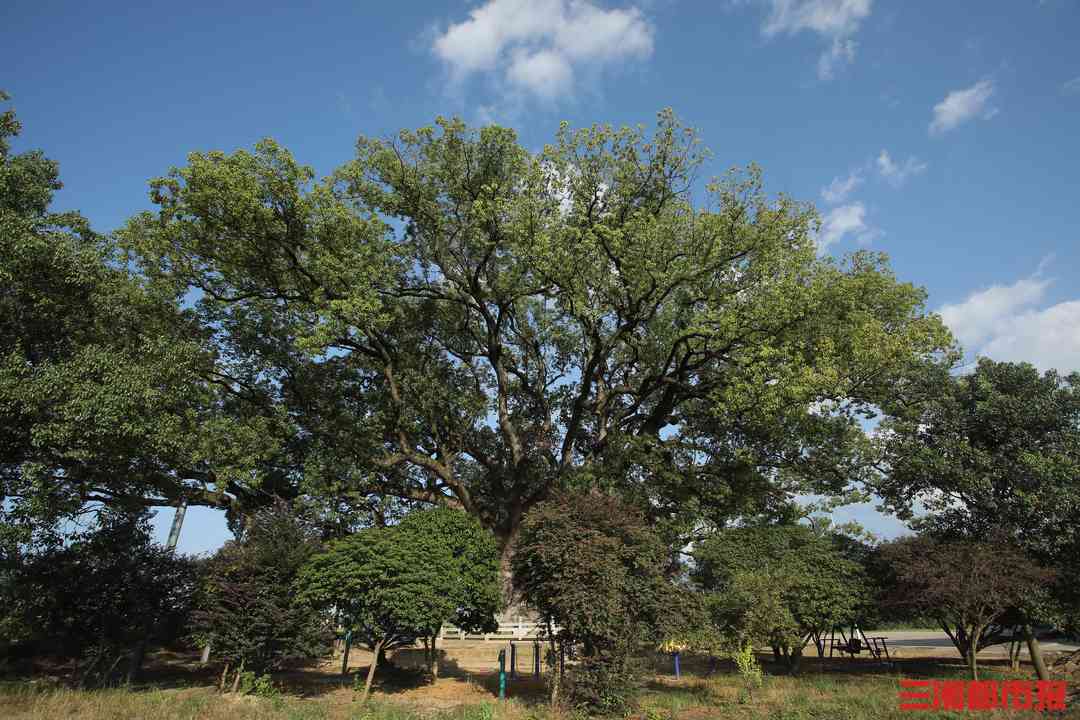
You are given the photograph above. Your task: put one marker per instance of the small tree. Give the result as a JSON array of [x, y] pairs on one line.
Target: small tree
[[784, 585], [969, 587], [593, 567], [394, 584], [246, 609]]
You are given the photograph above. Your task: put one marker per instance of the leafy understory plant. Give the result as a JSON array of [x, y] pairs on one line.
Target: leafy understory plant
[[749, 669]]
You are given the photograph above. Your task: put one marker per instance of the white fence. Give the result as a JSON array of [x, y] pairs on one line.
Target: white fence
[[508, 630]]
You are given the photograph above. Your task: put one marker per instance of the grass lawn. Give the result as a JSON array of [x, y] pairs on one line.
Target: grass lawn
[[833, 689]]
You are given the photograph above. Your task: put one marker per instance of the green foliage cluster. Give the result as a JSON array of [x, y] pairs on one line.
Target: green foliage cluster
[[108, 389], [246, 609], [783, 585], [996, 456], [98, 596], [391, 585], [749, 669], [591, 566]]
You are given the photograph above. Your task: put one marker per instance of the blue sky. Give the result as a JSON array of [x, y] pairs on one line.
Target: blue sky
[[945, 134]]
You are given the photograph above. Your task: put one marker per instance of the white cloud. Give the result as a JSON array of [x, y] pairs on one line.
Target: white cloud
[[898, 174], [1005, 322], [976, 319], [961, 105], [827, 17], [1071, 87], [835, 20], [842, 221], [838, 190], [842, 52], [545, 72], [535, 45], [1047, 338]]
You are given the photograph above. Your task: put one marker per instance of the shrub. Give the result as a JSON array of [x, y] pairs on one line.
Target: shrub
[[394, 584], [100, 594], [593, 567], [246, 610]]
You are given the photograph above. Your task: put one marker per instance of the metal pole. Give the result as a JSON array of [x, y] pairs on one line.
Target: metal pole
[[513, 660], [536, 659], [177, 523], [502, 674], [678, 670]]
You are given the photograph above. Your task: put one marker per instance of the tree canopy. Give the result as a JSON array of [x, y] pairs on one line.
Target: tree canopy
[[107, 387], [451, 318], [995, 453], [970, 587]]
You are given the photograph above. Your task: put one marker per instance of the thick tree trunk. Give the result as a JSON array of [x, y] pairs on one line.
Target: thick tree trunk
[[506, 558], [1036, 653], [371, 670]]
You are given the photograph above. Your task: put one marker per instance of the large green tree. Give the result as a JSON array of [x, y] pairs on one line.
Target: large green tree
[[451, 318], [109, 393], [997, 451]]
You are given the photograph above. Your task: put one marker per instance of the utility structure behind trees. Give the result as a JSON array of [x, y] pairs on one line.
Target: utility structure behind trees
[[451, 319]]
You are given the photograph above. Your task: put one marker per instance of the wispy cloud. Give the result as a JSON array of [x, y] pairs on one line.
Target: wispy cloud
[[538, 46], [845, 221], [838, 190], [1005, 322], [959, 106], [896, 174], [1071, 87], [835, 20]]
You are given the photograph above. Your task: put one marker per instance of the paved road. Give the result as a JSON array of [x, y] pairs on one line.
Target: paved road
[[935, 639]]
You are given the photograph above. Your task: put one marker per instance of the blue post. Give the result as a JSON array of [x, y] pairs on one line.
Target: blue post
[[513, 660], [502, 674], [678, 673]]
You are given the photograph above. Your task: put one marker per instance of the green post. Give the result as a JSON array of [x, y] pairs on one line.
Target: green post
[[502, 674]]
